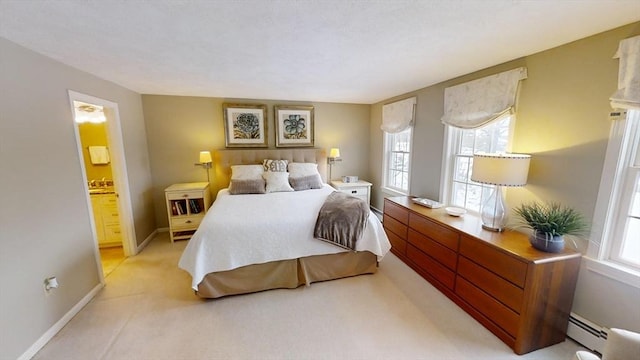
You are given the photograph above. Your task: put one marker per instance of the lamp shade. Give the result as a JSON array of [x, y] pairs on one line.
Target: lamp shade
[[334, 153], [501, 169], [205, 157]]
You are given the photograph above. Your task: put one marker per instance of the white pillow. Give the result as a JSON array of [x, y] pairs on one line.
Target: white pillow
[[246, 172], [277, 181], [298, 170]]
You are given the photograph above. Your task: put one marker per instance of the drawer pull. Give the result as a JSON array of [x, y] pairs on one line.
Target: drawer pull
[[188, 222], [354, 191], [185, 195]]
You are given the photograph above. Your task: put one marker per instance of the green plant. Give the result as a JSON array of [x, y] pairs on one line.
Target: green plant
[[552, 219]]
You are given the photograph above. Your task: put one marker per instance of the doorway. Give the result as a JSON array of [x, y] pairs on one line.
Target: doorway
[[99, 141]]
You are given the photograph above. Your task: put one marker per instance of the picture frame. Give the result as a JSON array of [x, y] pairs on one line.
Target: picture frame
[[294, 125], [245, 125]]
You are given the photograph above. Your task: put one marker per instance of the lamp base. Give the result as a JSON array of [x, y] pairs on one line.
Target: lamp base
[[487, 227], [493, 212]]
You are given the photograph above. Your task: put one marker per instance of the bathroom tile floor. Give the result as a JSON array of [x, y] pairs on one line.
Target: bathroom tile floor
[[111, 257]]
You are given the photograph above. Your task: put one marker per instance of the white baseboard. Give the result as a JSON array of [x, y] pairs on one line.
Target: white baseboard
[[49, 334], [146, 241]]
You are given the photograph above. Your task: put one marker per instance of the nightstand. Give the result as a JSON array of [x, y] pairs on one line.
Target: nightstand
[[360, 189], [187, 204]]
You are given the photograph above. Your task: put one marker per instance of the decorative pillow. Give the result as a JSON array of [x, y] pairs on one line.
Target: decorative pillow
[[250, 186], [246, 172], [277, 181], [306, 182], [298, 170], [275, 165]]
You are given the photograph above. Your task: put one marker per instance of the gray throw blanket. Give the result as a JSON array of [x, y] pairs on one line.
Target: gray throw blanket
[[341, 220]]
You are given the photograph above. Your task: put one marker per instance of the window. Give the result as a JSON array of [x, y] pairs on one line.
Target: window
[[620, 238], [397, 161], [463, 143]]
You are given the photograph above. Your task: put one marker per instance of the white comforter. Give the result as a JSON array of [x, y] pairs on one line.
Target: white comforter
[[240, 230]]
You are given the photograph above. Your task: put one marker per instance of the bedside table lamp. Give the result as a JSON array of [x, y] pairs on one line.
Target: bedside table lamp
[[205, 162], [334, 156], [499, 169]]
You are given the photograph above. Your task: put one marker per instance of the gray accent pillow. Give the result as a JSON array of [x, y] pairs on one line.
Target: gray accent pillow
[[250, 186], [306, 182]]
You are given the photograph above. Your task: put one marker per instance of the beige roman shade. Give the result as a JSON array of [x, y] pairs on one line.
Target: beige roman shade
[[628, 94], [478, 102], [398, 116]]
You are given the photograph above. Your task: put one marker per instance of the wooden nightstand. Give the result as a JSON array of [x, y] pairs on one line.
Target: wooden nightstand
[[187, 204], [361, 189]]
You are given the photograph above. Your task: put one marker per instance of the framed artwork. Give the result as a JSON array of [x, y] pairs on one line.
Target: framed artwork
[[294, 126], [245, 125]]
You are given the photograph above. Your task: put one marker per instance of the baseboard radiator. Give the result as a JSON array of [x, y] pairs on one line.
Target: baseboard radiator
[[588, 334]]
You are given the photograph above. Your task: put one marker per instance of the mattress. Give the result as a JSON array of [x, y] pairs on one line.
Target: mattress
[[244, 230]]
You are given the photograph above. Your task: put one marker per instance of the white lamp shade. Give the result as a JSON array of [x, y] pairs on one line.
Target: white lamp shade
[[205, 157], [334, 153], [501, 169]]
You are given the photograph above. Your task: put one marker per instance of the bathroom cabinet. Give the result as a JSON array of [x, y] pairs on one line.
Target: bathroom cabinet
[[107, 219]]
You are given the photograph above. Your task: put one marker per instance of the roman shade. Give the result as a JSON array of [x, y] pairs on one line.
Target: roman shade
[[628, 94], [398, 116], [478, 102]]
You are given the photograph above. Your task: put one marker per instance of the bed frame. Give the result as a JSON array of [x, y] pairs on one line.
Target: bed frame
[[284, 273]]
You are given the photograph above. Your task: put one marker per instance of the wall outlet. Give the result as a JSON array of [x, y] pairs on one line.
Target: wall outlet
[[50, 283]]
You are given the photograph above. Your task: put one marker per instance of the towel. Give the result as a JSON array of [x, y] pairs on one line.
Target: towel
[[99, 155]]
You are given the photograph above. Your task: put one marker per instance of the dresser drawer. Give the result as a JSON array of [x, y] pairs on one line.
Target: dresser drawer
[[398, 244], [185, 222], [441, 234], [501, 315], [499, 288], [396, 211], [356, 191], [434, 249], [431, 266], [395, 226], [500, 263], [184, 195]]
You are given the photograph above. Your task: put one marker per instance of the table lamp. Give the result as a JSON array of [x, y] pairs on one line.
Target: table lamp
[[499, 169]]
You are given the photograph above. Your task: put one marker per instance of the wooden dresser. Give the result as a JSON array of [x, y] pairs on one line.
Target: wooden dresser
[[520, 294]]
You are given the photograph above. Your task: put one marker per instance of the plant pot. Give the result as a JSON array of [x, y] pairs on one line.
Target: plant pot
[[546, 242]]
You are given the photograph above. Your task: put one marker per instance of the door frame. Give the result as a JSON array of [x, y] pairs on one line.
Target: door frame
[[118, 168]]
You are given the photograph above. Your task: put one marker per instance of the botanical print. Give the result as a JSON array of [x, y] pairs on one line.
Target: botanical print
[[245, 126], [295, 127]]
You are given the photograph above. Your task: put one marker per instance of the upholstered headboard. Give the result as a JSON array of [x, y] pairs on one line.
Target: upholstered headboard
[[223, 159]]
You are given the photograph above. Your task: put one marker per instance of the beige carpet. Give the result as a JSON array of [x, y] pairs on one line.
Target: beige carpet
[[148, 311]]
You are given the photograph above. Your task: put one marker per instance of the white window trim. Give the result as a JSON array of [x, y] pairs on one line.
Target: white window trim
[[606, 211], [385, 162], [448, 147], [447, 165]]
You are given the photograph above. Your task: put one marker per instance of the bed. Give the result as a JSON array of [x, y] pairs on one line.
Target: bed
[[254, 242]]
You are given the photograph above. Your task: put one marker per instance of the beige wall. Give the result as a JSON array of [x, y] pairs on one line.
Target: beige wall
[[562, 121], [44, 214], [179, 128]]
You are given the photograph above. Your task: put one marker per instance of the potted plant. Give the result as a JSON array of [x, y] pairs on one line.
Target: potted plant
[[550, 222]]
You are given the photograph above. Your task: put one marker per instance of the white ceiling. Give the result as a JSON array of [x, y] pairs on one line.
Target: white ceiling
[[351, 51]]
